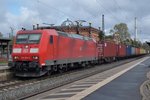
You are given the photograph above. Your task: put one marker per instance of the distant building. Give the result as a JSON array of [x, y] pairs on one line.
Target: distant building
[[5, 47], [69, 27], [83, 30]]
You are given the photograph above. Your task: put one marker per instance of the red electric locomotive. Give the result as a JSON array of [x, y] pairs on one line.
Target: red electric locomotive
[[41, 51]]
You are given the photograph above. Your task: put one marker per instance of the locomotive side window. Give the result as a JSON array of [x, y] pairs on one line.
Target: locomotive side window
[[51, 39]]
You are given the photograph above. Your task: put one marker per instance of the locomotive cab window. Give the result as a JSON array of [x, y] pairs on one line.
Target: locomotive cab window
[[51, 39], [22, 38], [28, 38], [34, 38]]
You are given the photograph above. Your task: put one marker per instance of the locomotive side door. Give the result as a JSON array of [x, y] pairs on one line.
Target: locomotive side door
[[50, 48], [53, 46]]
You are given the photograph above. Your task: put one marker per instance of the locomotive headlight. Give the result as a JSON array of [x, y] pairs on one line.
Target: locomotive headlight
[[35, 57], [17, 50], [16, 57], [34, 50]]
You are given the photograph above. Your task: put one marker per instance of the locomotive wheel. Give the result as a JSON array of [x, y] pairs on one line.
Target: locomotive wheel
[[62, 68], [66, 68], [55, 68]]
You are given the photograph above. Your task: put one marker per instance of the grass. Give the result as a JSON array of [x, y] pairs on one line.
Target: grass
[[3, 62]]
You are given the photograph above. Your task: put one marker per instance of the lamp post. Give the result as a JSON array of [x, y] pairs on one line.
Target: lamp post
[[12, 32]]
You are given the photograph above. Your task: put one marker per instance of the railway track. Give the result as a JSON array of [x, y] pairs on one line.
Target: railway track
[[30, 87], [16, 82], [7, 84]]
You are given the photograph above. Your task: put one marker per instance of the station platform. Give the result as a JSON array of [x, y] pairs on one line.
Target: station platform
[[5, 73], [4, 67], [125, 87], [122, 82]]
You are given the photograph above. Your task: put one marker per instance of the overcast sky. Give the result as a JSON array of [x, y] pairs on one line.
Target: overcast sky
[[25, 13]]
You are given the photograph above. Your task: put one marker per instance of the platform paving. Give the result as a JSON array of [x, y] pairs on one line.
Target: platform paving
[[5, 73], [125, 87], [4, 67]]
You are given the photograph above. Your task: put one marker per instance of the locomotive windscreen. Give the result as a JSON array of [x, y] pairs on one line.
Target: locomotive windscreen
[[28, 38]]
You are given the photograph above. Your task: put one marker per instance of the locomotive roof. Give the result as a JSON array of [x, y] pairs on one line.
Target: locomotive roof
[[74, 35], [61, 33], [62, 28]]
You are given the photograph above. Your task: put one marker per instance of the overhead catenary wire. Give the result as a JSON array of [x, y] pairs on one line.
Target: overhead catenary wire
[[68, 15], [58, 10], [122, 13], [117, 4], [121, 9], [93, 15], [50, 6], [73, 17], [108, 11]]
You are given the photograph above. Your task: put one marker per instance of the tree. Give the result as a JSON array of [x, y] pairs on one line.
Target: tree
[[121, 30], [128, 42], [146, 46], [109, 37]]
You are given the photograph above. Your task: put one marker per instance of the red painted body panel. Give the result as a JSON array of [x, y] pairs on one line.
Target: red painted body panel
[[72, 48], [109, 49], [121, 50]]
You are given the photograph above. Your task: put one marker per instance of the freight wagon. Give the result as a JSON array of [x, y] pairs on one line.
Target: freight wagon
[[128, 51], [121, 51], [108, 51]]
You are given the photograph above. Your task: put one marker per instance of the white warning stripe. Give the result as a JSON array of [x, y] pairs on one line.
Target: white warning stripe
[[73, 89], [62, 93], [53, 99], [81, 85]]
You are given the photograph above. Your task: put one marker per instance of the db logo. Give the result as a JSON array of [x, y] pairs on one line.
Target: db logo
[[25, 50]]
